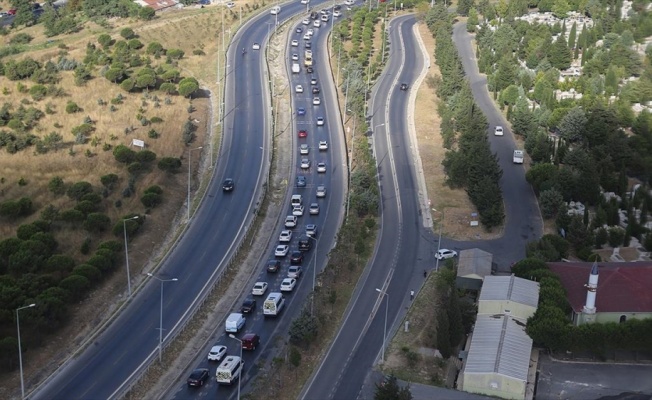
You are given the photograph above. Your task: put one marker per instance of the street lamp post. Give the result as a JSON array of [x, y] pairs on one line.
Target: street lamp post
[[441, 225], [314, 273], [189, 164], [124, 226], [232, 336], [384, 293], [20, 350], [160, 327]]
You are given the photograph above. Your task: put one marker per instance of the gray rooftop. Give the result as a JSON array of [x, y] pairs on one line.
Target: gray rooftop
[[474, 261], [499, 345], [511, 288]]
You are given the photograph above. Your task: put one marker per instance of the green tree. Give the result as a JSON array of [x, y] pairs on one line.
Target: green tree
[[560, 8], [169, 164], [560, 56], [505, 74], [97, 222], [79, 189], [472, 21], [146, 13], [463, 7], [76, 285], [572, 36], [128, 84], [57, 186], [550, 202], [389, 389], [127, 33], [188, 86], [455, 320], [303, 329], [443, 334], [572, 126], [124, 154]]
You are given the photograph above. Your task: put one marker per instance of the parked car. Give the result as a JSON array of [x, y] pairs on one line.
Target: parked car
[[288, 284], [217, 353], [198, 377], [248, 306], [444, 254]]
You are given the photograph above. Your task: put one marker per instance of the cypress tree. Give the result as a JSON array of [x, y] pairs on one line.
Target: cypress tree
[[443, 334], [456, 327], [572, 36]]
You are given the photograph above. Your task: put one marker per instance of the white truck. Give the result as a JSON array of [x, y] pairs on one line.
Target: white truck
[[273, 305], [229, 370], [518, 157], [296, 68]]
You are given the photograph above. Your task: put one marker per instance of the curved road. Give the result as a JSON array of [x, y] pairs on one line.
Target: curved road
[[102, 368]]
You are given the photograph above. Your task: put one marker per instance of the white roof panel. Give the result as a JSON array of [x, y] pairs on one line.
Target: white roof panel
[[510, 288]]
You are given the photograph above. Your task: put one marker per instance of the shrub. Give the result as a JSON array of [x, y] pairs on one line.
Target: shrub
[[151, 200], [127, 33], [76, 285], [169, 164], [109, 180], [79, 189], [21, 38], [124, 154], [90, 272], [38, 92], [97, 222], [72, 107]]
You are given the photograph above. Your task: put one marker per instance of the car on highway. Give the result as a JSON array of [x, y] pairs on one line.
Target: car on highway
[[309, 70], [228, 185], [273, 266], [217, 353], [324, 18], [295, 57], [297, 210], [296, 258], [308, 45], [320, 121], [321, 191], [305, 1], [250, 341], [294, 43], [301, 111], [304, 149], [307, 36], [316, 101], [313, 15], [313, 81], [288, 284], [305, 163], [306, 21], [303, 133], [315, 90], [256, 46], [349, 2], [282, 249], [498, 131], [444, 254], [316, 23], [285, 236], [337, 13], [298, 89], [323, 145], [404, 86], [248, 306], [321, 167], [294, 271], [311, 230], [301, 181], [314, 209], [337, 7], [259, 288], [299, 29], [310, 31], [290, 222], [198, 377]]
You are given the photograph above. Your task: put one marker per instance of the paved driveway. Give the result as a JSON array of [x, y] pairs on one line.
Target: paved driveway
[[562, 380]]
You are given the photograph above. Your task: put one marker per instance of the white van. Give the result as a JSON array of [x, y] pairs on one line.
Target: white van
[[275, 10], [229, 370], [297, 200], [235, 322], [273, 305]]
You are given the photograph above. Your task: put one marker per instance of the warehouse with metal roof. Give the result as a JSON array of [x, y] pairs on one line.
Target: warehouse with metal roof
[[510, 295]]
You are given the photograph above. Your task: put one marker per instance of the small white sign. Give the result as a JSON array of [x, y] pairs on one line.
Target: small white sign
[[138, 143], [474, 223]]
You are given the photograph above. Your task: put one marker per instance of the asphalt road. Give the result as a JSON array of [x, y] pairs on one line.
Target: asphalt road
[[274, 330], [404, 246], [218, 225]]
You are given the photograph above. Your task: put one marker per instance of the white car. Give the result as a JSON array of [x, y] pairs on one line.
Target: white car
[[256, 46], [217, 353], [321, 167], [444, 254], [306, 21], [308, 53], [337, 14], [307, 37], [349, 2], [316, 101], [288, 284], [294, 271], [305, 1], [321, 191], [290, 222], [498, 131], [230, 4], [298, 89], [281, 250], [297, 210], [305, 163], [259, 288], [304, 149], [313, 81], [314, 209], [310, 31], [295, 57], [323, 145], [295, 43], [320, 121], [324, 17], [285, 236], [311, 230], [316, 23]]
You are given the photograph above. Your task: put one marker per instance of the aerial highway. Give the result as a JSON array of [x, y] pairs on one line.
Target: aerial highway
[[404, 247], [106, 365], [328, 220]]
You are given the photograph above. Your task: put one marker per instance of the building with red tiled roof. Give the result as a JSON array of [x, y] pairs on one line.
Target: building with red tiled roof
[[158, 5], [606, 292]]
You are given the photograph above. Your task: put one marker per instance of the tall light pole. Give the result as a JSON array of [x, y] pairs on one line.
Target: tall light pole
[[314, 273], [189, 164], [232, 336], [20, 351], [160, 326], [441, 225], [384, 293], [124, 226]]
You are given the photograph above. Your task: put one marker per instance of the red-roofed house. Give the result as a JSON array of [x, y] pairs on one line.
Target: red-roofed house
[[158, 5], [606, 292]]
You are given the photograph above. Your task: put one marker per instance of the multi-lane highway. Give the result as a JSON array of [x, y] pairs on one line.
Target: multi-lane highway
[[328, 220], [108, 362], [404, 246]]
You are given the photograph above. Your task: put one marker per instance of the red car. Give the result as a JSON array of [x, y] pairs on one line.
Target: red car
[[303, 133], [250, 341], [11, 12]]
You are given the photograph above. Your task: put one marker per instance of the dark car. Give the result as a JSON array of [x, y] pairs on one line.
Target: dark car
[[315, 90], [301, 111], [404, 86], [308, 45], [313, 15], [296, 258], [309, 70], [250, 341], [301, 181], [273, 265], [228, 185], [248, 306], [299, 29], [337, 7], [198, 377]]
